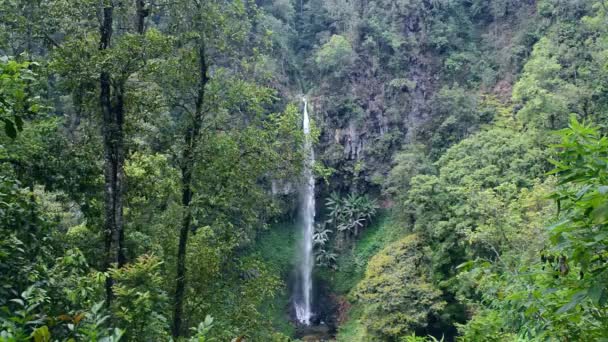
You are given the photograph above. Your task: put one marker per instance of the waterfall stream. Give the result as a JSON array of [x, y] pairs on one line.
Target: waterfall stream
[[303, 302]]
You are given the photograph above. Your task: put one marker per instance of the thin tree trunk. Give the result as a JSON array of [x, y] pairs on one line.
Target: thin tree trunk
[[29, 14], [191, 138], [112, 95], [112, 108], [142, 13], [117, 148], [105, 99], [119, 173]]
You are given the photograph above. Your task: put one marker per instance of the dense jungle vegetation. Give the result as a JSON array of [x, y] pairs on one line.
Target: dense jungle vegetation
[[151, 153]]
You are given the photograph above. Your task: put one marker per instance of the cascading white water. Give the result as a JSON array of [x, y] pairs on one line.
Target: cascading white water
[[303, 302]]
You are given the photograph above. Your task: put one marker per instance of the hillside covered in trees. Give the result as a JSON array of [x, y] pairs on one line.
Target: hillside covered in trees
[[303, 170]]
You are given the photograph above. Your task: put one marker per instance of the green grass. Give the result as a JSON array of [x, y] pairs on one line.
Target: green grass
[[352, 263], [275, 311], [352, 331], [277, 248], [351, 269]]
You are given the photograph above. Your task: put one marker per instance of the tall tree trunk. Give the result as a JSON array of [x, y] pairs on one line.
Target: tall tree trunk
[[141, 13], [111, 98], [105, 98], [112, 95], [112, 107], [191, 138], [29, 14], [118, 161]]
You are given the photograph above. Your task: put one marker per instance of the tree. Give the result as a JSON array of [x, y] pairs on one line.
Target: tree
[[112, 104], [548, 279], [191, 139], [335, 55], [229, 145], [140, 300], [209, 26], [396, 290], [410, 162], [455, 115], [349, 215], [580, 235], [17, 80]]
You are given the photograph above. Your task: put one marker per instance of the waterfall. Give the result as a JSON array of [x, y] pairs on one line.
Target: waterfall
[[303, 302]]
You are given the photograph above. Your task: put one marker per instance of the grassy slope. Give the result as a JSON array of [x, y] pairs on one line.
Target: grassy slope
[[277, 248], [352, 263], [351, 269]]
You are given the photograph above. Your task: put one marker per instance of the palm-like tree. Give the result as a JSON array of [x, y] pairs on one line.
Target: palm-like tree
[[351, 213], [321, 235]]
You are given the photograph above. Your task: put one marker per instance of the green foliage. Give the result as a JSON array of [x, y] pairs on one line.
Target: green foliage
[[25, 243], [53, 295], [398, 295], [474, 177], [92, 327], [335, 55], [88, 325], [414, 338], [407, 164], [472, 204], [140, 301], [546, 284], [455, 116], [566, 71], [580, 235], [352, 330], [351, 214], [25, 320], [277, 247], [323, 172], [323, 255], [347, 217], [152, 79], [17, 102], [202, 330], [487, 325], [581, 154], [541, 89], [232, 291], [352, 265]]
